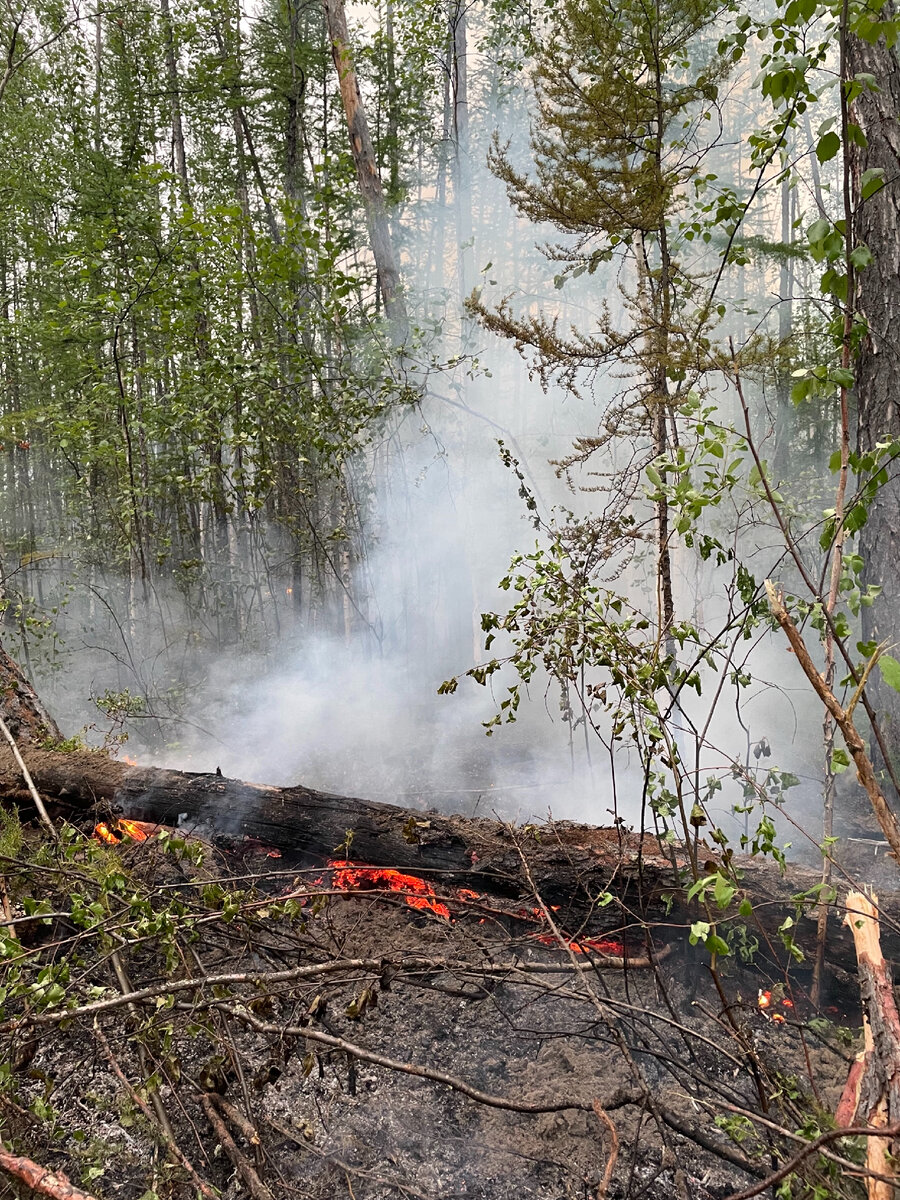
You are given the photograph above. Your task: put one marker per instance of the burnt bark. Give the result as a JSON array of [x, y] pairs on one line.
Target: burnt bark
[[570, 865], [877, 225]]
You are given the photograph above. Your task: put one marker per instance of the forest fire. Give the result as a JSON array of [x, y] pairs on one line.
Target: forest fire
[[121, 828], [349, 876]]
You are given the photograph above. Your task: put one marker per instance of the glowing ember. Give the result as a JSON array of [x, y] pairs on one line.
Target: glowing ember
[[104, 834], [137, 831], [418, 894], [764, 1003], [608, 947], [132, 762]]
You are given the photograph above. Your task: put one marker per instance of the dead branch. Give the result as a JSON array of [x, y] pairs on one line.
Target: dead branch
[[174, 1149], [242, 1165], [604, 1117], [29, 782], [233, 977], [49, 1183], [618, 1100]]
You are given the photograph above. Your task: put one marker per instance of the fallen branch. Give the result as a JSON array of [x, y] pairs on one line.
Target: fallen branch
[[241, 1163], [618, 1100], [170, 987], [172, 1146], [604, 1117], [29, 782], [40, 1179]]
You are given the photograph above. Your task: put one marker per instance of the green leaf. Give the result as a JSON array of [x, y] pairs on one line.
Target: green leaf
[[872, 181], [723, 892], [828, 147], [890, 671], [840, 761], [699, 932]]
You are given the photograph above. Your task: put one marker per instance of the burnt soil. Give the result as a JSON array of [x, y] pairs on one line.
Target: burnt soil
[[477, 998]]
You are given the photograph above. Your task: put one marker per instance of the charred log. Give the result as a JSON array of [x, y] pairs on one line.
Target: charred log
[[569, 865]]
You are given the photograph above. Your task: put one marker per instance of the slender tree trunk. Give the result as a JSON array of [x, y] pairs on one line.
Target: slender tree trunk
[[366, 167], [174, 86], [877, 225], [462, 182]]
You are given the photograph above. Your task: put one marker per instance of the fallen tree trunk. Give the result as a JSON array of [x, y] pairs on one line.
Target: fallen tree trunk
[[570, 865]]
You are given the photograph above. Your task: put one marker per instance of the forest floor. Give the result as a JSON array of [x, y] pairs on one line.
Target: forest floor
[[471, 1004]]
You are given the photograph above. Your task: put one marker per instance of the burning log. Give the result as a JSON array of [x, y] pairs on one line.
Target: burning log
[[427, 854], [571, 865]]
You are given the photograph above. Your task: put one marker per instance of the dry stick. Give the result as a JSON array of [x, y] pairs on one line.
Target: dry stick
[[879, 1087], [238, 1119], [619, 1099], [255, 1185], [182, 985], [35, 795], [613, 1150], [348, 1168], [162, 1118], [40, 1179], [844, 721], [202, 1186], [8, 926]]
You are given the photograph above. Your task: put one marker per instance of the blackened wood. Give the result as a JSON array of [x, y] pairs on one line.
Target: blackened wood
[[572, 865]]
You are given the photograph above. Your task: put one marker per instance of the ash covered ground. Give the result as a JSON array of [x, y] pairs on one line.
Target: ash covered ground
[[475, 1000]]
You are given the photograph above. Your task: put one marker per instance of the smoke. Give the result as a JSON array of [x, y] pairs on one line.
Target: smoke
[[356, 710]]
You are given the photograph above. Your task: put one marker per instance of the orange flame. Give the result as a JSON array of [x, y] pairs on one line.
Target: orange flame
[[419, 894], [764, 1004], [104, 834], [138, 831], [608, 947]]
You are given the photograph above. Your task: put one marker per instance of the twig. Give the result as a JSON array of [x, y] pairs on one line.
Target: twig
[[844, 721], [811, 1148], [8, 926], [237, 1118], [392, 1064], [348, 1168], [613, 1150], [171, 1145], [40, 1179], [184, 985], [35, 794], [255, 1185]]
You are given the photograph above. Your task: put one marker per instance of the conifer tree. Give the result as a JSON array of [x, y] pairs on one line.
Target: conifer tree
[[626, 98]]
